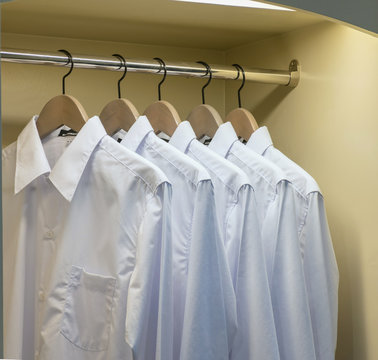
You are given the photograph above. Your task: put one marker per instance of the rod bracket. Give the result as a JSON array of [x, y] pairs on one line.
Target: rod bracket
[[295, 70]]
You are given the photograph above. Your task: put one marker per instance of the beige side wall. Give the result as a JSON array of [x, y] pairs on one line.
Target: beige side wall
[[26, 88], [329, 125]]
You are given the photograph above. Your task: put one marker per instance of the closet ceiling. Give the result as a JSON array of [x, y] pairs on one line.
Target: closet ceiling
[[158, 22]]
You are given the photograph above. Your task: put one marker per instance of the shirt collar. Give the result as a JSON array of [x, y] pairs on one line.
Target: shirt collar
[[31, 160], [66, 174], [183, 136], [223, 139], [136, 134], [260, 140]]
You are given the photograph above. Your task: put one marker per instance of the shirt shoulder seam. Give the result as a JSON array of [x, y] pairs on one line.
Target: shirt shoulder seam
[[262, 176], [211, 170], [147, 183], [178, 169], [313, 192]]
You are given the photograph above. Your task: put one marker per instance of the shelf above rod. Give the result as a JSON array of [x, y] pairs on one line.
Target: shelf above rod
[[288, 77]]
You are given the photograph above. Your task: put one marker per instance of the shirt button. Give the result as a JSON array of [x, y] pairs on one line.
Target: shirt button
[[49, 234], [41, 295]]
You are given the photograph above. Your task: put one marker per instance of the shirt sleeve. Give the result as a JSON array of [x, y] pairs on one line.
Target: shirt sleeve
[[256, 333], [286, 277], [210, 309], [322, 277], [149, 316]]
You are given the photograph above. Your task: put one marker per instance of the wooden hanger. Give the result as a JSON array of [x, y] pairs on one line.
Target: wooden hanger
[[61, 110], [241, 119], [120, 113], [243, 122], [204, 119], [162, 116]]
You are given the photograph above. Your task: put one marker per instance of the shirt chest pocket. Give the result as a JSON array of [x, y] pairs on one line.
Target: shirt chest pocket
[[88, 310]]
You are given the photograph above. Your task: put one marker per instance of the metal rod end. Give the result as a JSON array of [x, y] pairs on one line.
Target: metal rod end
[[295, 70]]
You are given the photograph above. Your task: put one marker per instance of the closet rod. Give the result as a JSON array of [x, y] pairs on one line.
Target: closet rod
[[187, 69]]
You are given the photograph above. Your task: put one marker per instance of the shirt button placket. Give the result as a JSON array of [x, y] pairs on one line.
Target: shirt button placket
[[49, 234]]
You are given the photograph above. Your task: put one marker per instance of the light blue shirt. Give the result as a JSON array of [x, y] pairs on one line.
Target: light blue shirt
[[237, 214], [204, 300], [319, 262], [275, 201]]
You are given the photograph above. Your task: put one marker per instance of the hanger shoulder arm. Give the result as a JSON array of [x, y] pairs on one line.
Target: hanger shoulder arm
[[205, 120], [243, 122], [61, 110], [163, 117], [118, 114]]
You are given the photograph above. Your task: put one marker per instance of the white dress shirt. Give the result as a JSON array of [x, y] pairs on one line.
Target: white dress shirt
[[203, 291], [275, 202], [87, 249], [237, 215], [319, 260]]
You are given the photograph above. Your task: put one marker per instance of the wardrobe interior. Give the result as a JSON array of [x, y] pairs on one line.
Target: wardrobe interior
[[327, 124]]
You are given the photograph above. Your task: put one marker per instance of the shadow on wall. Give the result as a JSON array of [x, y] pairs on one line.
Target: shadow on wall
[[352, 311], [263, 109]]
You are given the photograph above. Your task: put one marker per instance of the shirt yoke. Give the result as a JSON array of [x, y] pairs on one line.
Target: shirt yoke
[[227, 173], [270, 173], [146, 171], [302, 181], [183, 164]]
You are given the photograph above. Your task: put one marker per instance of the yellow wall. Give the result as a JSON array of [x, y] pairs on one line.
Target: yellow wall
[[329, 125], [26, 88]]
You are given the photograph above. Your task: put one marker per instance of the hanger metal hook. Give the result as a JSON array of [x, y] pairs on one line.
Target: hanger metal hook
[[123, 64], [239, 68], [69, 72], [208, 72], [162, 63]]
